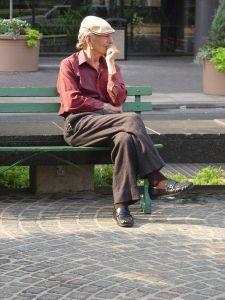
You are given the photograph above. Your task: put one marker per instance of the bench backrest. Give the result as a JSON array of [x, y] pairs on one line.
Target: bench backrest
[[50, 107]]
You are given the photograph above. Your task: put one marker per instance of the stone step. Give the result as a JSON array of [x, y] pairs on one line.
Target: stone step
[[189, 169]]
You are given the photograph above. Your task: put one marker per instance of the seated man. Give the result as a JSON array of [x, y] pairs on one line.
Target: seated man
[[92, 93]]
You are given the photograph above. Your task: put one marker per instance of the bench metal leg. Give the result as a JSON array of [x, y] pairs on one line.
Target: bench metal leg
[[146, 202], [65, 161], [17, 163]]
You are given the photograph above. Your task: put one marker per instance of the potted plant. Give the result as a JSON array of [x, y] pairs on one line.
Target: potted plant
[[212, 55], [19, 46]]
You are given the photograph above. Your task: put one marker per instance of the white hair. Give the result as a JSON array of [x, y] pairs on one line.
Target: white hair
[[81, 38]]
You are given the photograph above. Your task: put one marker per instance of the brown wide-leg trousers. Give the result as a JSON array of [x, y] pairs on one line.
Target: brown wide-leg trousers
[[133, 152]]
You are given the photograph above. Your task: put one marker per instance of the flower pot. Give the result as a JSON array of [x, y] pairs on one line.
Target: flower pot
[[15, 55], [213, 81]]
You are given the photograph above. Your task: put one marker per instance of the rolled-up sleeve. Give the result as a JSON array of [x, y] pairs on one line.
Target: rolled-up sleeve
[[116, 88], [72, 99]]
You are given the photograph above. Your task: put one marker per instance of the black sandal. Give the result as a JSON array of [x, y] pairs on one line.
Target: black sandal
[[172, 188], [123, 217]]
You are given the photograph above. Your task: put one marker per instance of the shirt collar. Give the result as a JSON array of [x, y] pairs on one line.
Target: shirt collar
[[82, 58]]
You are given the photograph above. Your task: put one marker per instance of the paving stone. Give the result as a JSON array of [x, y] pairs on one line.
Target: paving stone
[[31, 269], [90, 289], [7, 292], [34, 290], [220, 288], [27, 297], [102, 283], [197, 285], [210, 292], [137, 294], [49, 297], [166, 295], [29, 279], [222, 297], [195, 297], [61, 290], [78, 295], [18, 284], [94, 277], [5, 278], [181, 290], [78, 282], [106, 295]]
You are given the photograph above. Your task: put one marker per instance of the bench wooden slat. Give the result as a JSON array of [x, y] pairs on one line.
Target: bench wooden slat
[[139, 90], [28, 92], [29, 107], [137, 106], [52, 91]]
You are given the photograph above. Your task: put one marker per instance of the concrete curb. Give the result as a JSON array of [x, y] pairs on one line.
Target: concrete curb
[[184, 106], [48, 67]]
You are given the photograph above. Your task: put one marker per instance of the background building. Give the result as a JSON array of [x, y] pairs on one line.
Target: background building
[[153, 27]]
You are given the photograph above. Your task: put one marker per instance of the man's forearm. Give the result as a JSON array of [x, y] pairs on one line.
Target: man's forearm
[[111, 67], [111, 71]]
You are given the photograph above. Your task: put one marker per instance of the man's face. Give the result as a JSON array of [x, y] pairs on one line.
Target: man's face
[[100, 43]]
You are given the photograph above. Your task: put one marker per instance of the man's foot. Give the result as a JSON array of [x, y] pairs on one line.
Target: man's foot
[[123, 217], [170, 188]]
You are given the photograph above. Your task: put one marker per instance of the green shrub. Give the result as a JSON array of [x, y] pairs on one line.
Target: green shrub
[[103, 175], [217, 30], [177, 177], [216, 37], [209, 176], [15, 27], [218, 58], [33, 36], [54, 26], [204, 53], [72, 20], [17, 177]]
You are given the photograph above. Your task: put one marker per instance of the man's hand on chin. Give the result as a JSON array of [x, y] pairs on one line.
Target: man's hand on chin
[[111, 54]]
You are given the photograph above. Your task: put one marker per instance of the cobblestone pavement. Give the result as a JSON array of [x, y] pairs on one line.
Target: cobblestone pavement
[[68, 247]]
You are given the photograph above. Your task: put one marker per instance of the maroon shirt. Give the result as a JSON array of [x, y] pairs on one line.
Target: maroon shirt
[[82, 88]]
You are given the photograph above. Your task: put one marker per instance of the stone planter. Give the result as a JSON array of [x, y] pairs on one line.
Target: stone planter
[[15, 55], [213, 81]]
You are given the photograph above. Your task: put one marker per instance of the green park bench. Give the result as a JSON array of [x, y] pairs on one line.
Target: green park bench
[[25, 155]]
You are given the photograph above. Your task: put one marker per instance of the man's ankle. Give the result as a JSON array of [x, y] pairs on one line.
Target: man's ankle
[[157, 179], [121, 205]]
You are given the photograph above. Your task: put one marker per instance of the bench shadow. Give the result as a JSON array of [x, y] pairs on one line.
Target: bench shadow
[[194, 208]]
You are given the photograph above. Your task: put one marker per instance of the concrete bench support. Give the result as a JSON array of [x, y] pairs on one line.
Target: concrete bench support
[[61, 178]]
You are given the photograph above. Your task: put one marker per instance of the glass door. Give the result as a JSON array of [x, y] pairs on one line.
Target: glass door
[[160, 26]]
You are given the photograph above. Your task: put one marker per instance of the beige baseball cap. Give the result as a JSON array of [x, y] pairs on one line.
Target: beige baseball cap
[[95, 25]]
